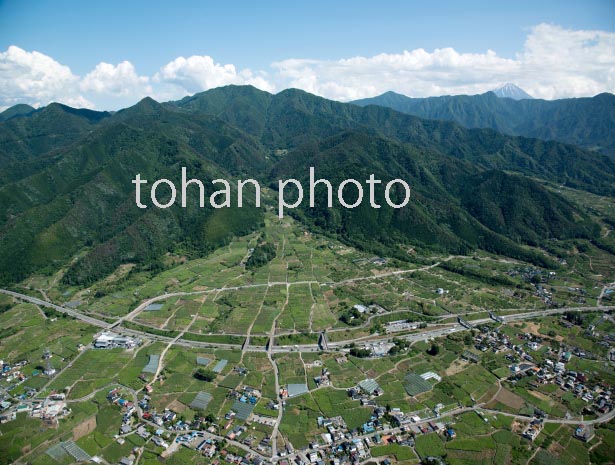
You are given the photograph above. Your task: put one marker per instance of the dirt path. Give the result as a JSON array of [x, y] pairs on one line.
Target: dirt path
[[41, 311], [249, 332], [171, 343], [276, 372], [533, 455], [311, 309]]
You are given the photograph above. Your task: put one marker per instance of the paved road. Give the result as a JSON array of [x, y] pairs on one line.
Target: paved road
[[74, 313], [418, 336], [560, 421]]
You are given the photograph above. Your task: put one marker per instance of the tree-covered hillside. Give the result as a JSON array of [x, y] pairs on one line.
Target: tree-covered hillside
[[586, 122], [66, 190]]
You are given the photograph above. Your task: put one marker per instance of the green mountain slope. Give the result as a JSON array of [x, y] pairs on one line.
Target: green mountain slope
[[84, 197], [294, 117], [16, 110], [455, 207], [68, 190]]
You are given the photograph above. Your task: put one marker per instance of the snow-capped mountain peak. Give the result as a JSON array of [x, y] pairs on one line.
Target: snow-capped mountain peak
[[509, 90]]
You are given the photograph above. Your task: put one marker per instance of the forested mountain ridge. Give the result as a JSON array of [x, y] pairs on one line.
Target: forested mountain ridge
[[586, 122], [65, 182]]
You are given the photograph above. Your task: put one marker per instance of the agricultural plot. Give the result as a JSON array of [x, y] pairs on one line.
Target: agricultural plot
[[322, 317], [335, 402], [92, 365], [176, 313], [300, 310], [239, 308], [299, 423], [260, 374], [401, 453], [27, 434], [291, 368], [345, 374], [430, 445], [272, 305], [297, 313]]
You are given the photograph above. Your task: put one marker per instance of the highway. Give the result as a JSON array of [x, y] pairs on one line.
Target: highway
[[68, 311], [419, 335]]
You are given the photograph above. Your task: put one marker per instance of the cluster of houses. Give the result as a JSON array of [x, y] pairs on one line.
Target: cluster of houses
[[552, 369], [247, 394], [128, 409], [343, 451], [342, 446], [50, 410], [544, 295], [339, 445], [584, 432], [378, 348], [13, 374], [537, 278], [374, 261], [323, 379], [159, 424], [533, 429]]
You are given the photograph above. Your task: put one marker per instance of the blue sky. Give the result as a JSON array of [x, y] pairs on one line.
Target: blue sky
[[252, 36]]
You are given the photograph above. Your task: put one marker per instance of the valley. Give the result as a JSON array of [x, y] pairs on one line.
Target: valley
[[473, 325], [284, 323]]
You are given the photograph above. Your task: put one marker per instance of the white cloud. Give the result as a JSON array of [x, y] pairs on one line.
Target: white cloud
[[415, 73], [37, 79], [553, 63], [558, 62], [121, 80], [198, 73]]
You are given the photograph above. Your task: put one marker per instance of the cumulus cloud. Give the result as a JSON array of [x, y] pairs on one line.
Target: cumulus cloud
[[198, 73], [554, 62], [120, 80], [416, 72], [37, 79], [558, 62]]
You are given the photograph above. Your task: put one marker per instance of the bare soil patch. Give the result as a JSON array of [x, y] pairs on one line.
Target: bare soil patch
[[177, 406], [84, 428], [540, 395], [510, 399], [517, 426], [456, 367], [531, 327]]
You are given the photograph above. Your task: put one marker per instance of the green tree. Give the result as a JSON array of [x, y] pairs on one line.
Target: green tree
[[205, 375]]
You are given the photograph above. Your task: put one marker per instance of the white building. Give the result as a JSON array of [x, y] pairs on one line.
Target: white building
[[109, 340]]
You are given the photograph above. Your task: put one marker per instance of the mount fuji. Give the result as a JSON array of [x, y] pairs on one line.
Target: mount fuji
[[509, 90]]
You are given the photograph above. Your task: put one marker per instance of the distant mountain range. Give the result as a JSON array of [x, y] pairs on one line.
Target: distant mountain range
[[65, 179], [586, 122]]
